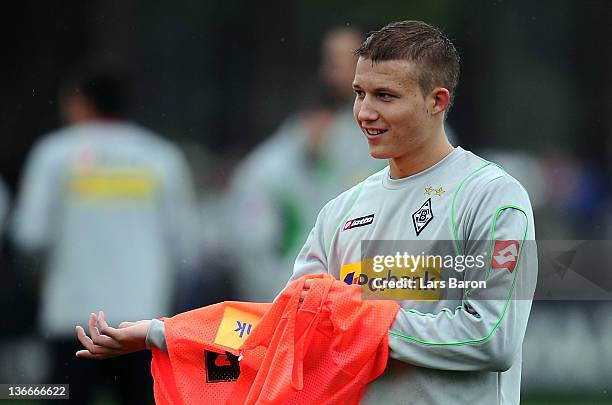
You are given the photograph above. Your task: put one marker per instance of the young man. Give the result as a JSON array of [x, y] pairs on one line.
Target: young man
[[463, 346]]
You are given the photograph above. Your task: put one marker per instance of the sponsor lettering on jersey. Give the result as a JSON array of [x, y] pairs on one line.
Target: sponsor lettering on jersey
[[361, 221], [242, 327], [235, 327], [113, 183], [350, 273], [362, 274], [505, 255]]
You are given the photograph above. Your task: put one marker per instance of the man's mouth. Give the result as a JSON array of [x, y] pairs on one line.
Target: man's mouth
[[374, 131]]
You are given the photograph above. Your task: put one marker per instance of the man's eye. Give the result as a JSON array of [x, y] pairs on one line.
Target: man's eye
[[385, 96], [359, 93]]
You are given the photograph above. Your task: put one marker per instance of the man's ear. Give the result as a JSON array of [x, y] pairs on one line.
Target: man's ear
[[440, 100]]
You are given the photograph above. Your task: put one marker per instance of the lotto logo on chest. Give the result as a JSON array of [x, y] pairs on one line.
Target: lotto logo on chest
[[357, 222]]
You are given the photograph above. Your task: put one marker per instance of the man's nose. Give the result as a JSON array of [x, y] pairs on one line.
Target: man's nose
[[365, 111]]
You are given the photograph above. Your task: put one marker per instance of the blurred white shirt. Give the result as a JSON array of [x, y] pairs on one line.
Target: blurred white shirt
[[112, 207]]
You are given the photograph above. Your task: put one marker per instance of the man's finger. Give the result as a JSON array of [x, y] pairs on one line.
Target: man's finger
[[107, 330], [89, 344], [83, 338], [308, 283], [102, 319], [100, 339], [93, 326], [86, 354], [105, 341]]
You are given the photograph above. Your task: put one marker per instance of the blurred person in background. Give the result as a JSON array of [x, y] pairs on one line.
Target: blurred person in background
[[108, 207], [280, 187]]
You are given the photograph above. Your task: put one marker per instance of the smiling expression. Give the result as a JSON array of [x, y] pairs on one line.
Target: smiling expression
[[390, 108]]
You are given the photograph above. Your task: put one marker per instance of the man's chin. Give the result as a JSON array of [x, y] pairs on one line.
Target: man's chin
[[378, 153]]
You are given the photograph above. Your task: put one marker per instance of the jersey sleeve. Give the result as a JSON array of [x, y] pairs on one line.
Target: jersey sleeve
[[486, 331]]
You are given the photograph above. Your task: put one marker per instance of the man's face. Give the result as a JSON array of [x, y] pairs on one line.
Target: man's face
[[390, 108]]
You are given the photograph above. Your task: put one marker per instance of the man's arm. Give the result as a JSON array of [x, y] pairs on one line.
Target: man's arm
[[487, 330]]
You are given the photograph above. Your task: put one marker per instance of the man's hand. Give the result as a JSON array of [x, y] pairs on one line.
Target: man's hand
[[107, 342]]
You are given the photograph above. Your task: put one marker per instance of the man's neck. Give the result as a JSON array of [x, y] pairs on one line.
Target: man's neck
[[421, 158]]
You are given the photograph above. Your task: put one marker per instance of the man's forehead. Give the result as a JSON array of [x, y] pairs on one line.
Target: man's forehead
[[391, 72]]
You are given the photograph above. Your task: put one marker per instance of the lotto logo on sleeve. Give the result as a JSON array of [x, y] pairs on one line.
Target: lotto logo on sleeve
[[362, 221], [505, 255]]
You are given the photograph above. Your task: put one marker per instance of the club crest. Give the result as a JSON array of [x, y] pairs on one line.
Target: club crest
[[422, 217]]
